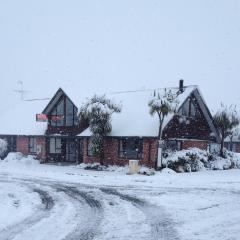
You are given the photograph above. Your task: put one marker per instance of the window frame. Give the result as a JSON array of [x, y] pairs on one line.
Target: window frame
[[89, 150], [57, 149], [66, 121], [32, 145], [191, 103], [172, 145], [124, 153]]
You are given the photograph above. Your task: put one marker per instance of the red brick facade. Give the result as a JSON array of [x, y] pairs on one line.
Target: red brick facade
[[194, 144], [235, 146], [149, 151], [112, 156], [22, 145], [111, 146]]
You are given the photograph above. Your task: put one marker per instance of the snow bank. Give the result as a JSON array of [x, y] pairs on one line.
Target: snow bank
[[18, 159]]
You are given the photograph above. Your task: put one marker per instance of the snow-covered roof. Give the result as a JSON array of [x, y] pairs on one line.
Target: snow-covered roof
[[135, 119], [20, 119]]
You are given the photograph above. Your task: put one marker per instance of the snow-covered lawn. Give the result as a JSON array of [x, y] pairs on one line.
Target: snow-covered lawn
[[66, 202]]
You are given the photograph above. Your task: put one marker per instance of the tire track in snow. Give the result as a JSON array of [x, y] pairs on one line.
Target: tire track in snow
[[88, 210], [87, 227], [44, 211], [161, 224]]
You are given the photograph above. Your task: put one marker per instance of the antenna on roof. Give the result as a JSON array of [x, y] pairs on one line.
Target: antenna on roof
[[21, 91]]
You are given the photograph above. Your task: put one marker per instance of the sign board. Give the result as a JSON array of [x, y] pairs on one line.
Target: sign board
[[41, 117], [44, 118]]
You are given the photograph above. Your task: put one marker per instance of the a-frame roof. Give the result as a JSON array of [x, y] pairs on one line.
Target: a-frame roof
[[207, 114], [59, 94]]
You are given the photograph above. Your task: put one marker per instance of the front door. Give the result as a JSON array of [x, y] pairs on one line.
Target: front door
[[71, 150]]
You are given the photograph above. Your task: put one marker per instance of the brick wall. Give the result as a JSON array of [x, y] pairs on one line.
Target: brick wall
[[111, 153], [197, 144], [237, 146], [22, 145]]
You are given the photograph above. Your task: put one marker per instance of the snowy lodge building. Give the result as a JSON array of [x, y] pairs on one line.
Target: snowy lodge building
[[63, 137]]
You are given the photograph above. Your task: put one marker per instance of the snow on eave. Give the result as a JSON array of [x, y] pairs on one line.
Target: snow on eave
[[20, 120]]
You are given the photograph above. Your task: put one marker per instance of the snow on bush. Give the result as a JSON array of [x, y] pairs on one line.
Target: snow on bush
[[191, 160], [235, 159], [219, 163], [3, 147], [194, 159]]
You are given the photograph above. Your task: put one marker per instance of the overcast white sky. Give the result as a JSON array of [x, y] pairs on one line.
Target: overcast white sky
[[106, 45]]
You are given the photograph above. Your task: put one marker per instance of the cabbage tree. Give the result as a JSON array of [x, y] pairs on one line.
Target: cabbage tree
[[162, 105], [97, 111]]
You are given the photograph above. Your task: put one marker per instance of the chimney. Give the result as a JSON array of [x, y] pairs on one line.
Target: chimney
[[181, 90]]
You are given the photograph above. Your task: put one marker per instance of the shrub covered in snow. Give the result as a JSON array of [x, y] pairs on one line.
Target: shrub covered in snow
[[191, 160], [194, 159], [3, 147]]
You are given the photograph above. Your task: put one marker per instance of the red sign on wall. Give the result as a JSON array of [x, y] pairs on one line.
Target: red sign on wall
[[41, 117], [44, 118]]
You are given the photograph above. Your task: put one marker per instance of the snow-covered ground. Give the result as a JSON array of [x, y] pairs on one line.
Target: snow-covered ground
[[66, 202]]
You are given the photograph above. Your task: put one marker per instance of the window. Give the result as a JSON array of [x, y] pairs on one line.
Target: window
[[89, 147], [75, 119], [185, 108], [71, 113], [214, 148], [172, 145], [189, 109], [64, 114], [55, 145], [32, 145], [234, 147], [131, 148], [58, 114]]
